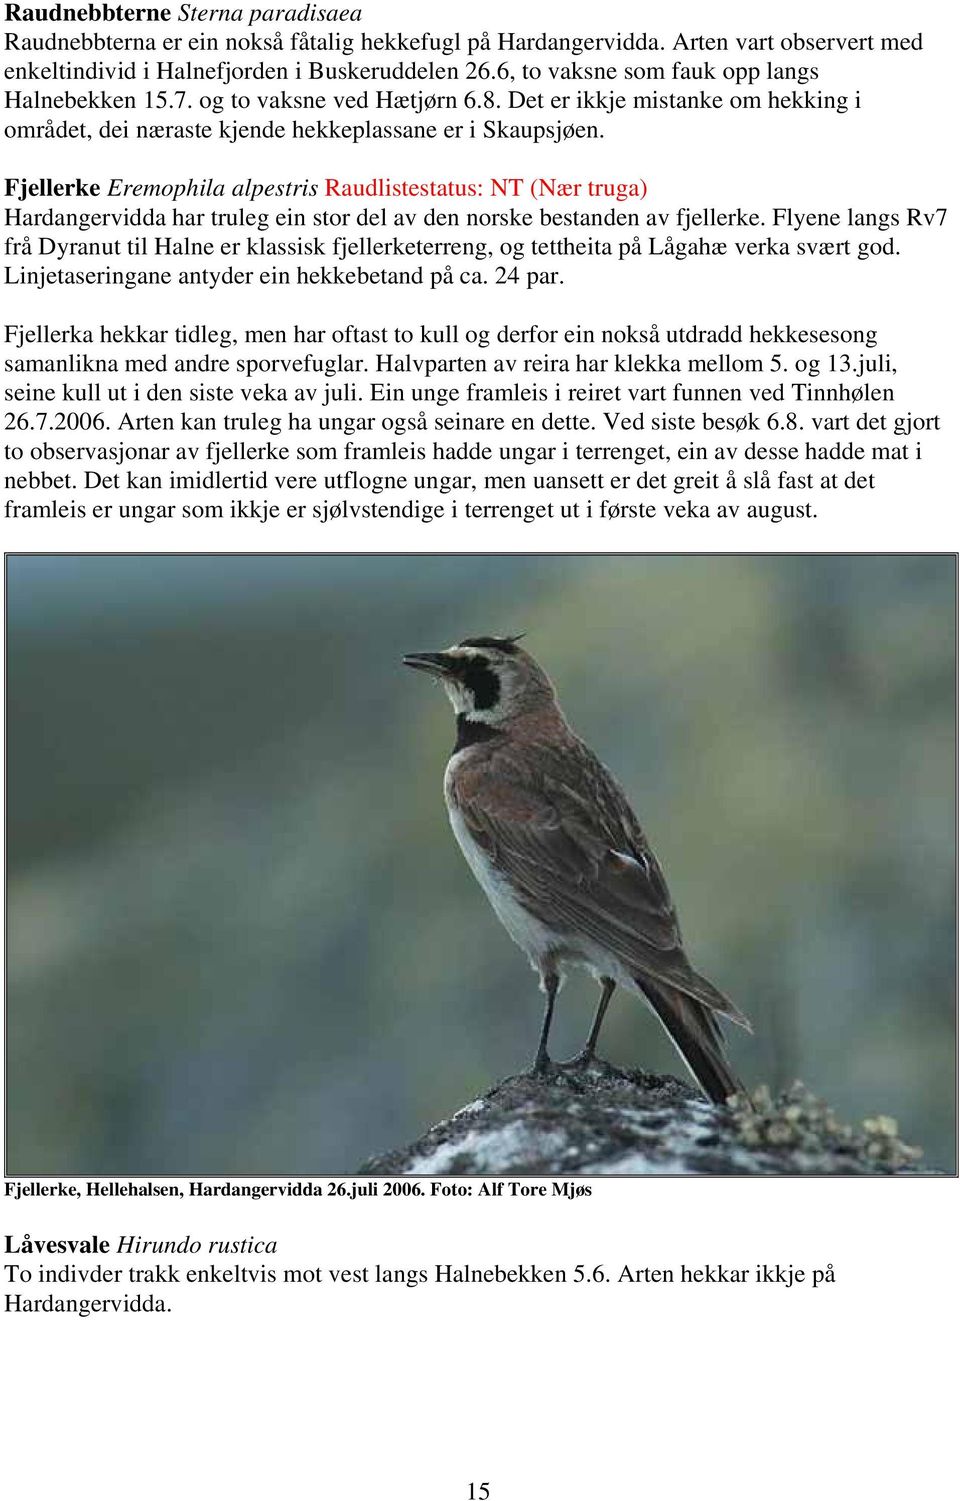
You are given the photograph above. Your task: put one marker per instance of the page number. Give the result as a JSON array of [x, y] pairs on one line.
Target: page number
[[479, 1490]]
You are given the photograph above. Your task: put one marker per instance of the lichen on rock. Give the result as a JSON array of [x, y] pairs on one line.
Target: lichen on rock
[[801, 1122], [608, 1121]]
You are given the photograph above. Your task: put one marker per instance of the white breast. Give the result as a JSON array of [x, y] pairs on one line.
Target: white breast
[[536, 940]]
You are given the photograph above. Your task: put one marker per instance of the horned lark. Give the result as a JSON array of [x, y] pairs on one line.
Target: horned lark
[[558, 850]]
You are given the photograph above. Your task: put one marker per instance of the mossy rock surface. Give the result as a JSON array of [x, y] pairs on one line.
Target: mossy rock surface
[[605, 1120]]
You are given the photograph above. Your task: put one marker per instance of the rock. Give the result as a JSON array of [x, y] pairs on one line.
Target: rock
[[610, 1121]]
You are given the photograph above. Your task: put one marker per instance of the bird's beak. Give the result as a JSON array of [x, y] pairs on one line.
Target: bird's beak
[[437, 663]]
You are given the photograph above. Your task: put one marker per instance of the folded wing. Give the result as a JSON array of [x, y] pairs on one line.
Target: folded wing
[[576, 857]]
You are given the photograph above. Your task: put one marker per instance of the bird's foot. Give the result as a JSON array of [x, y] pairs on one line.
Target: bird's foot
[[543, 1065], [586, 1058]]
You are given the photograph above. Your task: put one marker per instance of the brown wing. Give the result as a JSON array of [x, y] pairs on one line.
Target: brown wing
[[575, 855]]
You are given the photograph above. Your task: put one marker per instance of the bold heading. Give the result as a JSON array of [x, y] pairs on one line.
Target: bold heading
[[86, 13]]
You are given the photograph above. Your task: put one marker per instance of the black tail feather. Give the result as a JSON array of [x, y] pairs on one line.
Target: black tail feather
[[697, 1038]]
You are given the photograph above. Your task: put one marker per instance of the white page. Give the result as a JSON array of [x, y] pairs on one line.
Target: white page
[[244, 953]]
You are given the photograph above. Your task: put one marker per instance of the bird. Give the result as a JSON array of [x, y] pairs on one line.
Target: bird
[[560, 854]]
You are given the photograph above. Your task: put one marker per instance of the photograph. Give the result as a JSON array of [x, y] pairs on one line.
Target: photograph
[[480, 864]]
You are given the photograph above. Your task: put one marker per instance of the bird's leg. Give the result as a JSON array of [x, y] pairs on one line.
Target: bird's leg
[[608, 986], [586, 1056], [542, 1061]]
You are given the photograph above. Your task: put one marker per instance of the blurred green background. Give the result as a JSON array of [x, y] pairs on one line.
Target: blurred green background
[[243, 940]]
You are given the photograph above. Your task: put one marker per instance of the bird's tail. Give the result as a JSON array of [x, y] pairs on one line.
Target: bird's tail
[[696, 1035]]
